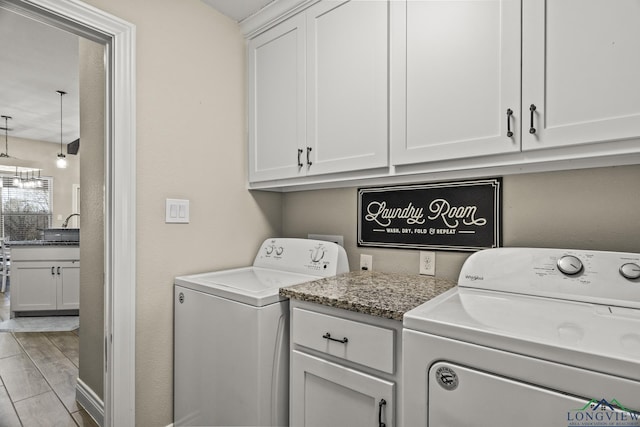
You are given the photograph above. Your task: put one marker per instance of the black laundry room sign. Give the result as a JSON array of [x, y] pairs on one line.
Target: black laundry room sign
[[457, 216]]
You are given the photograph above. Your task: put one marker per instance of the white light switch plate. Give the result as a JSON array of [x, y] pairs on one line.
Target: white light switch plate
[[177, 211]]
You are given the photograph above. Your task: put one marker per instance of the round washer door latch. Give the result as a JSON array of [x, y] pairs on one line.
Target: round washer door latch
[[447, 378], [181, 297]]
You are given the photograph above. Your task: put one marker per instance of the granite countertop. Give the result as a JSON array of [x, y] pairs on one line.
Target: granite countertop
[[388, 295], [41, 243]]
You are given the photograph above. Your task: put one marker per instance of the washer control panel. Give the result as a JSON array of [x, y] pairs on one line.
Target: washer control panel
[[578, 275], [305, 256]]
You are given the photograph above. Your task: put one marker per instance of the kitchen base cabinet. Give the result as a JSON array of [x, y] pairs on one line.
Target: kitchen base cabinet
[[328, 394], [344, 367], [39, 284]]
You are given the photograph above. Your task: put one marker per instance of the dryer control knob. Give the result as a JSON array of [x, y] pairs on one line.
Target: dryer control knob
[[570, 265], [279, 250], [630, 271], [269, 249], [317, 254]]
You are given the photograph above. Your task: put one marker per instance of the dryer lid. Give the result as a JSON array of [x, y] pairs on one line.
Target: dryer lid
[[598, 337]]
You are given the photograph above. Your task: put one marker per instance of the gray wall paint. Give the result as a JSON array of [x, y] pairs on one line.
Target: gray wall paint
[[588, 209], [92, 91]]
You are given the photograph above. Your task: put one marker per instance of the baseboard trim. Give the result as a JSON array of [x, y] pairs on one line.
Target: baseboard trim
[[90, 401]]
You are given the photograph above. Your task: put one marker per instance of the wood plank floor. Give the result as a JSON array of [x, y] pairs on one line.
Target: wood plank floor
[[38, 373]]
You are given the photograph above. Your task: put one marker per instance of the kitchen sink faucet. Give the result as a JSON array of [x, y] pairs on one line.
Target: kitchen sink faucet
[[66, 221]]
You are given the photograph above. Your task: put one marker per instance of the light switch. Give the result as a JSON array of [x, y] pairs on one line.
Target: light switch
[[177, 211]]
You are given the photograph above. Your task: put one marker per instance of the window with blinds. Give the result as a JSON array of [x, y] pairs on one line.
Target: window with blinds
[[26, 207]]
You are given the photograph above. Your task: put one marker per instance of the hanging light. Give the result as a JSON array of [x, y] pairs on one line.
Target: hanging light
[[6, 136], [62, 159], [16, 179]]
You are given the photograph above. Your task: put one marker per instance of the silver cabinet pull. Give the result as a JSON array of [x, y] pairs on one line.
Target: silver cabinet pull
[[532, 130], [342, 341], [509, 114]]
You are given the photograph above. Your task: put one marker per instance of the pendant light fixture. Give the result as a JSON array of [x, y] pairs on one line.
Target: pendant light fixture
[[6, 136], [62, 159]]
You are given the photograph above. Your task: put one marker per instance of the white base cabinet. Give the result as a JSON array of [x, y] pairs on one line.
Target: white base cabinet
[[344, 368], [329, 394], [39, 284]]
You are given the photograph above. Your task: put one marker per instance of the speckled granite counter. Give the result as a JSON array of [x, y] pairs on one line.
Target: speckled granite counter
[[41, 243], [387, 295]]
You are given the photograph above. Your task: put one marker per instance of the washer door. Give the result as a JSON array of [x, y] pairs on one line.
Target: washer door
[[459, 396]]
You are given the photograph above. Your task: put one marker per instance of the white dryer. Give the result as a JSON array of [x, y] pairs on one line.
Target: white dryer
[[231, 358], [529, 338]]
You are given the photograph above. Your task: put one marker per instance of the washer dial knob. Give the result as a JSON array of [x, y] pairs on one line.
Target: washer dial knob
[[269, 249], [317, 254], [570, 265], [630, 271], [279, 250]]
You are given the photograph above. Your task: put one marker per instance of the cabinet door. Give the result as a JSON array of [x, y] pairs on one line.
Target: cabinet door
[[33, 286], [68, 278], [277, 101], [581, 64], [327, 394], [347, 54], [456, 72]]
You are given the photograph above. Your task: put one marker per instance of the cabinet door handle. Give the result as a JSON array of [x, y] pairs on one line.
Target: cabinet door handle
[[380, 405], [509, 114], [52, 271], [309, 163], [532, 130], [58, 271], [299, 161], [342, 341]]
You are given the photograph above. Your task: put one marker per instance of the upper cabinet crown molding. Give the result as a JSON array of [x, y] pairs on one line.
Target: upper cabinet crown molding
[[272, 14]]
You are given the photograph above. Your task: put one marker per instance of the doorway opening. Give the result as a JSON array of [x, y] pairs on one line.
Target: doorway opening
[[118, 39]]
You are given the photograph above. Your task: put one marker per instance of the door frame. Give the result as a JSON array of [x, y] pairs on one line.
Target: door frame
[[118, 37]]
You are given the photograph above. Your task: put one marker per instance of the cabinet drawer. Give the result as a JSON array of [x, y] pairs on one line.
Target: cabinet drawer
[[367, 345]]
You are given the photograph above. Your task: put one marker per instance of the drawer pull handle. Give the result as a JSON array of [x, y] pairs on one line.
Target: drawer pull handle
[[509, 113], [328, 336], [532, 130], [380, 405], [53, 271]]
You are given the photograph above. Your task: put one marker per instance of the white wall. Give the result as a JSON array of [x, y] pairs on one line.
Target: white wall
[[588, 209], [190, 144]]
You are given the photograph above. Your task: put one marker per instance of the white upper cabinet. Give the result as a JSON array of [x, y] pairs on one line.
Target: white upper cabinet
[[455, 76], [581, 68], [347, 90], [318, 92], [277, 101]]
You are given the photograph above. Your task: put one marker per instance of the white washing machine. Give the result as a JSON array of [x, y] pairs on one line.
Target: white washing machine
[[529, 338], [231, 364]]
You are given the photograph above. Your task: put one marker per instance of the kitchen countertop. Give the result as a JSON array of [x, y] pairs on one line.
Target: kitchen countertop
[[388, 295], [41, 243]]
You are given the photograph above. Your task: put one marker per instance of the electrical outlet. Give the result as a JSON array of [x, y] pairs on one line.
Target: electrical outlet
[[335, 238], [428, 263], [366, 262]]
